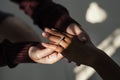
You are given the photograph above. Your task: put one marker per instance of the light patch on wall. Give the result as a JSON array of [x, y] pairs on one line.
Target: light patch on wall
[[95, 14], [109, 45]]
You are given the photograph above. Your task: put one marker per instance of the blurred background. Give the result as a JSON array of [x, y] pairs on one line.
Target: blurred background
[[99, 18]]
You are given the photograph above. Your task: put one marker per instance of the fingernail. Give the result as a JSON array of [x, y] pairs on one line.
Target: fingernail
[[47, 29], [44, 34], [44, 44], [53, 29]]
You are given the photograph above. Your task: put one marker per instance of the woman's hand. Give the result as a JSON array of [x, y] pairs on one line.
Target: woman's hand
[[81, 50], [45, 56], [52, 51], [77, 48]]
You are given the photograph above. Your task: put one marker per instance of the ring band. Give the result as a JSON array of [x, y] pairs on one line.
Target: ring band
[[62, 38]]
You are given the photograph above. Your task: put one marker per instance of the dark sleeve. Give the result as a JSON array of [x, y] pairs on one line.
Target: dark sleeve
[[12, 54], [52, 15], [4, 15]]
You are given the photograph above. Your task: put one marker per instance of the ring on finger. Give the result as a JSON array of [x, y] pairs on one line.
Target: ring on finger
[[62, 38]]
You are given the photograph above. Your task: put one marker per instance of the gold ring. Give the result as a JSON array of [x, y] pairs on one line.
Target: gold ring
[[62, 38]]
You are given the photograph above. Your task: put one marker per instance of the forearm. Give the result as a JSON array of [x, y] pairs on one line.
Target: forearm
[[106, 67], [3, 61], [86, 53], [15, 53]]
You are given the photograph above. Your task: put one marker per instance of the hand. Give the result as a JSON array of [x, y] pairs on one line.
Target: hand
[[45, 56], [80, 49], [51, 53]]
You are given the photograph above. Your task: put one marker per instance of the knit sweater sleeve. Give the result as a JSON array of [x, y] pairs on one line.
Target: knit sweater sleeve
[[52, 15], [46, 13], [12, 54]]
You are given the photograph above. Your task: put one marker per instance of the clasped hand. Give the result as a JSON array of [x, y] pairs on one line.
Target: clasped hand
[[52, 52], [77, 48]]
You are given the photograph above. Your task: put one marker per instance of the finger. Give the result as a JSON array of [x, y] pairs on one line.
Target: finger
[[63, 41], [36, 53], [50, 59], [53, 36], [54, 47], [69, 35], [53, 32], [56, 39], [50, 37], [57, 33], [60, 34]]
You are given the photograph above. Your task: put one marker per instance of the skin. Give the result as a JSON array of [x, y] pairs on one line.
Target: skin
[[48, 55]]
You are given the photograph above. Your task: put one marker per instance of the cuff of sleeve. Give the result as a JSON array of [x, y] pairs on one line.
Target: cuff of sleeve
[[18, 52], [63, 22]]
